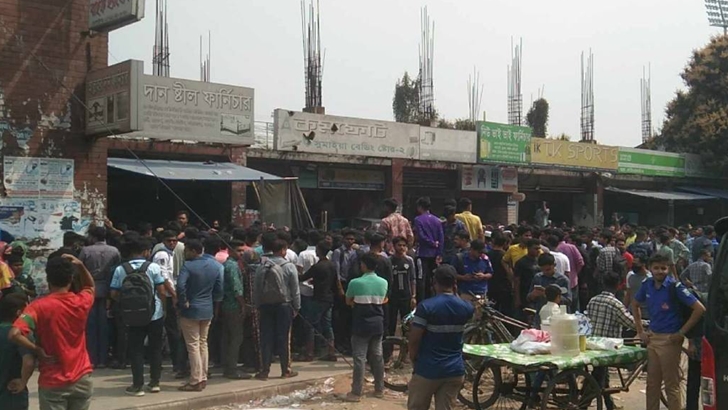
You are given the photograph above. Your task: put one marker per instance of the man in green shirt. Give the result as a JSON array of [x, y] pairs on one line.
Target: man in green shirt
[[16, 364], [233, 312]]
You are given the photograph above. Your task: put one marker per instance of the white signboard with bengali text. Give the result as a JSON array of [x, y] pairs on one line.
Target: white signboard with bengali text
[[490, 178], [107, 15], [438, 144], [328, 134], [173, 108], [122, 100]]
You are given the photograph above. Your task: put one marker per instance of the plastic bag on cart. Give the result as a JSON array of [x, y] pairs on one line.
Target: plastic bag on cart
[[532, 342], [603, 343]]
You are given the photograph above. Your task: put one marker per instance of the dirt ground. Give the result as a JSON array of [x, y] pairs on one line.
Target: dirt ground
[[324, 397]]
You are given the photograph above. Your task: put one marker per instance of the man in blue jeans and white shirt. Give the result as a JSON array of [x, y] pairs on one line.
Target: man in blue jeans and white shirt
[[138, 249], [436, 345]]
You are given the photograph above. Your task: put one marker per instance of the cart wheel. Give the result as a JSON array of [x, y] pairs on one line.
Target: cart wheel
[[398, 376], [473, 336], [572, 390], [683, 372], [497, 388]]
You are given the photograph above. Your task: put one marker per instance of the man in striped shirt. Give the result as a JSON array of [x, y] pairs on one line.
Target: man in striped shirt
[[436, 345], [367, 296]]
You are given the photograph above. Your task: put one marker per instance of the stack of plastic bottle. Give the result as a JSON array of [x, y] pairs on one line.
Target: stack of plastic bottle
[[564, 329]]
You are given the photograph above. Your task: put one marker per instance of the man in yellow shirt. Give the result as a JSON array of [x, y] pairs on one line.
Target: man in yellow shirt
[[518, 250], [472, 222]]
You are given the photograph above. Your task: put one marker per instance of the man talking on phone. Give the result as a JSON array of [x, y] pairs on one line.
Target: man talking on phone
[[548, 276]]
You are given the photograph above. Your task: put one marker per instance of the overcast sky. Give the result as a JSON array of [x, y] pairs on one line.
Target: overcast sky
[[369, 44]]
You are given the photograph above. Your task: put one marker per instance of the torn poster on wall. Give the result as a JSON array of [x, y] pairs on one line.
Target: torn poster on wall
[[41, 224], [28, 177]]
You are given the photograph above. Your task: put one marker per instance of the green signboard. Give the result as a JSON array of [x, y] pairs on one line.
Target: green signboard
[[652, 163], [503, 143]]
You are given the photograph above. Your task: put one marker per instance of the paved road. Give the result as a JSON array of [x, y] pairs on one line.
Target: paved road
[[109, 387]]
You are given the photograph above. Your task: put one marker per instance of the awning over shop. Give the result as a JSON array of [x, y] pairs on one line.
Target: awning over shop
[[664, 196], [714, 192], [200, 171]]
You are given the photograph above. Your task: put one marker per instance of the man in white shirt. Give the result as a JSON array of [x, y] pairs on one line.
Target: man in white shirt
[[164, 257], [562, 261], [306, 259]]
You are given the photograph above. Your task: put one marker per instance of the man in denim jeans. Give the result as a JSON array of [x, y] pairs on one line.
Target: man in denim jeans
[[367, 295]]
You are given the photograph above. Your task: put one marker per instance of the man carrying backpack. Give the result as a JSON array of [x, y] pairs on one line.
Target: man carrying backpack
[[139, 289], [278, 299]]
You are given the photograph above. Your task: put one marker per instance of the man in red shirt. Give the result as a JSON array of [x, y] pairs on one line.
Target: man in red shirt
[[58, 323]]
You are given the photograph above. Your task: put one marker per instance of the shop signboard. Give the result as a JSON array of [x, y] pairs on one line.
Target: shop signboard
[[108, 15], [653, 163], [439, 144], [503, 143], [573, 154], [168, 108], [489, 178], [356, 179], [328, 134]]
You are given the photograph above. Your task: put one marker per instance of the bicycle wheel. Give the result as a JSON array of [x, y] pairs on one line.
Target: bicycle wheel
[[683, 373], [572, 390], [398, 376], [473, 336], [498, 388]]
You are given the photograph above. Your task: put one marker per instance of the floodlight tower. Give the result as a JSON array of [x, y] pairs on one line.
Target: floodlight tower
[[717, 13]]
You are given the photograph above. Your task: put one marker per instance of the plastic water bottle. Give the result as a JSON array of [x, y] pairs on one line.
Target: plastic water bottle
[[564, 334]]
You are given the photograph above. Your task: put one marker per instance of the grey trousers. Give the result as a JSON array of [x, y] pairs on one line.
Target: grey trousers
[[76, 396], [363, 348], [421, 391]]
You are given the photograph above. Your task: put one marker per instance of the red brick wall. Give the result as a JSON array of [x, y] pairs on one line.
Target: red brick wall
[[44, 58]]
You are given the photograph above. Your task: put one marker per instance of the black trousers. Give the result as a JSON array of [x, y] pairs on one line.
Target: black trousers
[[177, 348], [396, 309], [426, 290], [275, 334], [601, 374], [137, 334], [692, 398], [341, 320]]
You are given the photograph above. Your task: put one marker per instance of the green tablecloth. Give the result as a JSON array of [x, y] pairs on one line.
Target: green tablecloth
[[503, 353]]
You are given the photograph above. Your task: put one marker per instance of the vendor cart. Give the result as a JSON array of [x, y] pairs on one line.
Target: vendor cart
[[505, 379]]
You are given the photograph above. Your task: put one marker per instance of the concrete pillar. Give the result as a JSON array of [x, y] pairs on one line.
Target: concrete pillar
[[238, 189], [599, 191], [396, 180]]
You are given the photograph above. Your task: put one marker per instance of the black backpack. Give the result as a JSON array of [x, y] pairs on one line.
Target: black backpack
[[687, 311], [136, 296]]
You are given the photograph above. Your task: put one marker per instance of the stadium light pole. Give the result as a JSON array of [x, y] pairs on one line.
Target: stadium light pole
[[717, 12]]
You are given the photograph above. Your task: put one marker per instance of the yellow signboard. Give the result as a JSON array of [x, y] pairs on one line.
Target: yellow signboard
[[573, 154]]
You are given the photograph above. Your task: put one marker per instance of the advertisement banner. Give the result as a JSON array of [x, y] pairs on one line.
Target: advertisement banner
[[168, 108], [573, 154], [503, 143], [328, 134], [28, 177], [653, 163], [107, 15], [489, 178], [438, 144], [362, 180]]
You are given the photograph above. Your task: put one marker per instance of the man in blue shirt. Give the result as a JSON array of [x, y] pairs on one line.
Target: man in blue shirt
[[436, 345], [138, 249], [430, 243], [548, 276], [473, 271], [199, 286], [667, 330]]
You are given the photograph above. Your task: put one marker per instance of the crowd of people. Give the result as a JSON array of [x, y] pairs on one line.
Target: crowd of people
[[239, 297]]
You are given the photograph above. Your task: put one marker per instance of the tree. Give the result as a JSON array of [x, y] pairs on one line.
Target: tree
[[696, 119], [538, 117], [406, 101], [561, 137], [443, 123], [464, 124]]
